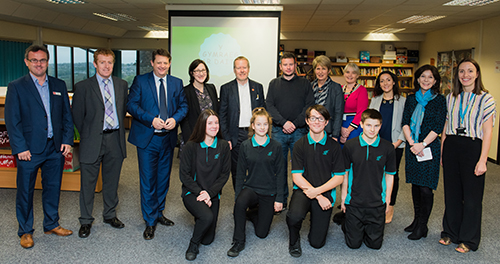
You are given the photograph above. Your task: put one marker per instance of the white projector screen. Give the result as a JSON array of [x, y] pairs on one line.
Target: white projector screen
[[219, 37]]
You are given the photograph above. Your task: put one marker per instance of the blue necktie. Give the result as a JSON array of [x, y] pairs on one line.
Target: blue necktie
[[163, 102]]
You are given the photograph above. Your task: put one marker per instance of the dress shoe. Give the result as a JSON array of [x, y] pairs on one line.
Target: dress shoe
[[295, 250], [235, 250], [84, 230], [27, 241], [59, 231], [192, 251], [114, 222], [165, 221], [149, 233]]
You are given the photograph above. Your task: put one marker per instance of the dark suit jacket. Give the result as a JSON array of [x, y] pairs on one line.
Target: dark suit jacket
[[26, 118], [143, 106], [335, 106], [187, 124], [88, 115], [230, 107]]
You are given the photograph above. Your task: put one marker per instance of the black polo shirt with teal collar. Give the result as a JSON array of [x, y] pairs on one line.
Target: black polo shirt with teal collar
[[367, 166], [318, 161]]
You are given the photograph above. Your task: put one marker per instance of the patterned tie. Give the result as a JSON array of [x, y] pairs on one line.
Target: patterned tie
[[163, 102], [108, 104]]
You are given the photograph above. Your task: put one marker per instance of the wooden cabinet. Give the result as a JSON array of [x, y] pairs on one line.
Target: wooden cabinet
[[70, 180]]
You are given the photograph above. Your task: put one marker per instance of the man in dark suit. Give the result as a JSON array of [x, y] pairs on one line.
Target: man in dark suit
[[237, 100], [40, 127], [157, 103], [99, 107]]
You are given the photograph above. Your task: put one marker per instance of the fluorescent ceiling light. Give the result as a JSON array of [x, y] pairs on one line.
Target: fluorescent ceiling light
[[469, 2], [387, 30], [420, 19], [260, 2], [381, 37], [224, 7], [66, 1], [153, 28], [116, 17], [157, 34]]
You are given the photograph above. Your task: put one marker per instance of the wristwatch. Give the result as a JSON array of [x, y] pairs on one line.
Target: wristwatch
[[424, 144]]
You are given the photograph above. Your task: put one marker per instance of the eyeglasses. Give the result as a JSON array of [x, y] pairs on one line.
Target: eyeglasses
[[314, 119], [35, 61], [199, 71]]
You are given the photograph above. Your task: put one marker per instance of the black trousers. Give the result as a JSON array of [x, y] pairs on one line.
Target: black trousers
[[463, 190], [260, 214], [364, 224], [300, 205], [395, 186], [235, 151], [205, 218]]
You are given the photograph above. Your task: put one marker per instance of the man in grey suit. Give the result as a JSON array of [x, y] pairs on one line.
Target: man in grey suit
[[238, 98], [99, 107]]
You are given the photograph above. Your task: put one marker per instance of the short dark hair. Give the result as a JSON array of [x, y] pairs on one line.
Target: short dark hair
[[395, 89], [193, 66], [288, 55], [371, 114], [161, 52], [478, 84], [200, 127], [104, 52], [436, 88], [321, 110], [36, 48]]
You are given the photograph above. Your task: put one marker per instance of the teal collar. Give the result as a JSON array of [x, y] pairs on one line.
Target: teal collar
[[363, 143], [255, 144], [214, 144], [311, 141]]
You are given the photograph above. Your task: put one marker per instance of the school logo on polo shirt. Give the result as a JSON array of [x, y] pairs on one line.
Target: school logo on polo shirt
[[379, 157], [325, 152], [217, 156], [270, 153]]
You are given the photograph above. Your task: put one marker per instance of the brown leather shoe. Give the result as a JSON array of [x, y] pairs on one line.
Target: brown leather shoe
[[27, 241], [59, 231]]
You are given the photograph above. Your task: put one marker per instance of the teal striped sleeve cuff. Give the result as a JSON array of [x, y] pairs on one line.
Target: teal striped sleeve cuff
[[297, 171], [390, 173]]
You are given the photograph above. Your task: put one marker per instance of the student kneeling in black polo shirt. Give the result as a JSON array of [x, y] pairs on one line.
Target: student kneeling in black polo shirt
[[317, 168], [370, 164]]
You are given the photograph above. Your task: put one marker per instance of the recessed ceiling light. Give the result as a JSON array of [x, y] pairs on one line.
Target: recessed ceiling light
[[420, 19], [469, 2], [153, 28], [260, 2], [116, 17], [66, 1], [388, 30]]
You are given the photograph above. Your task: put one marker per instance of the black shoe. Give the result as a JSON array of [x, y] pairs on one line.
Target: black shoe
[[84, 230], [235, 250], [149, 233], [339, 218], [114, 222], [412, 226], [192, 251], [165, 221], [295, 249], [419, 232]]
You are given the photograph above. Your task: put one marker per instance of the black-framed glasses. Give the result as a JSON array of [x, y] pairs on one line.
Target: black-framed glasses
[[314, 119], [35, 61]]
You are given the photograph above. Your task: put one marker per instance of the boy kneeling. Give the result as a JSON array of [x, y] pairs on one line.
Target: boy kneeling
[[370, 164], [317, 168]]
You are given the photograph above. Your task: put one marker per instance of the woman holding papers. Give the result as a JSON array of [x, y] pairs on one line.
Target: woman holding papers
[[423, 119], [468, 132]]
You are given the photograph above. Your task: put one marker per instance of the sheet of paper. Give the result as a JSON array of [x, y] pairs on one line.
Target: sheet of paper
[[427, 155]]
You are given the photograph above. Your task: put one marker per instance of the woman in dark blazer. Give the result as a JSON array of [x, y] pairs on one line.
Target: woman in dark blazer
[[200, 95]]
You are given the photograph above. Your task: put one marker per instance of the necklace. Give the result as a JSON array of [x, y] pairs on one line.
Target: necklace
[[390, 101]]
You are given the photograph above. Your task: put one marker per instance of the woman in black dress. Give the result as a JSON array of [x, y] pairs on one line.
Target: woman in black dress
[[423, 119]]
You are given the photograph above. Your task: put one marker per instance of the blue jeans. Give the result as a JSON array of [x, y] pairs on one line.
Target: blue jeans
[[287, 141]]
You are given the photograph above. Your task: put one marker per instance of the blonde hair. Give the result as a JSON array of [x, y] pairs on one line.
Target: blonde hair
[[260, 111], [353, 66]]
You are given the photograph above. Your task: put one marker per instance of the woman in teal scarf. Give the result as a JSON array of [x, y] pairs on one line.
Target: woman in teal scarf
[[423, 119]]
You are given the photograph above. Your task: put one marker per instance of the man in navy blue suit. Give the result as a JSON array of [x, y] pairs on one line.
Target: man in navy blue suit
[[237, 100], [40, 127], [157, 103]]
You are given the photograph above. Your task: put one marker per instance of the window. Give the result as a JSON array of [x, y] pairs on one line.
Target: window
[[80, 64], [64, 66], [129, 65]]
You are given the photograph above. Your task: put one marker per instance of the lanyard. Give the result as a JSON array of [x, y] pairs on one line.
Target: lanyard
[[461, 116]]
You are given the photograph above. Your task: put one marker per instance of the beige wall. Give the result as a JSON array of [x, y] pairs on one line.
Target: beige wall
[[481, 35]]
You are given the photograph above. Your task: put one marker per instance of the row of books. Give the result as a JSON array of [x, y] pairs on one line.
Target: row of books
[[368, 71], [369, 83], [400, 72]]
